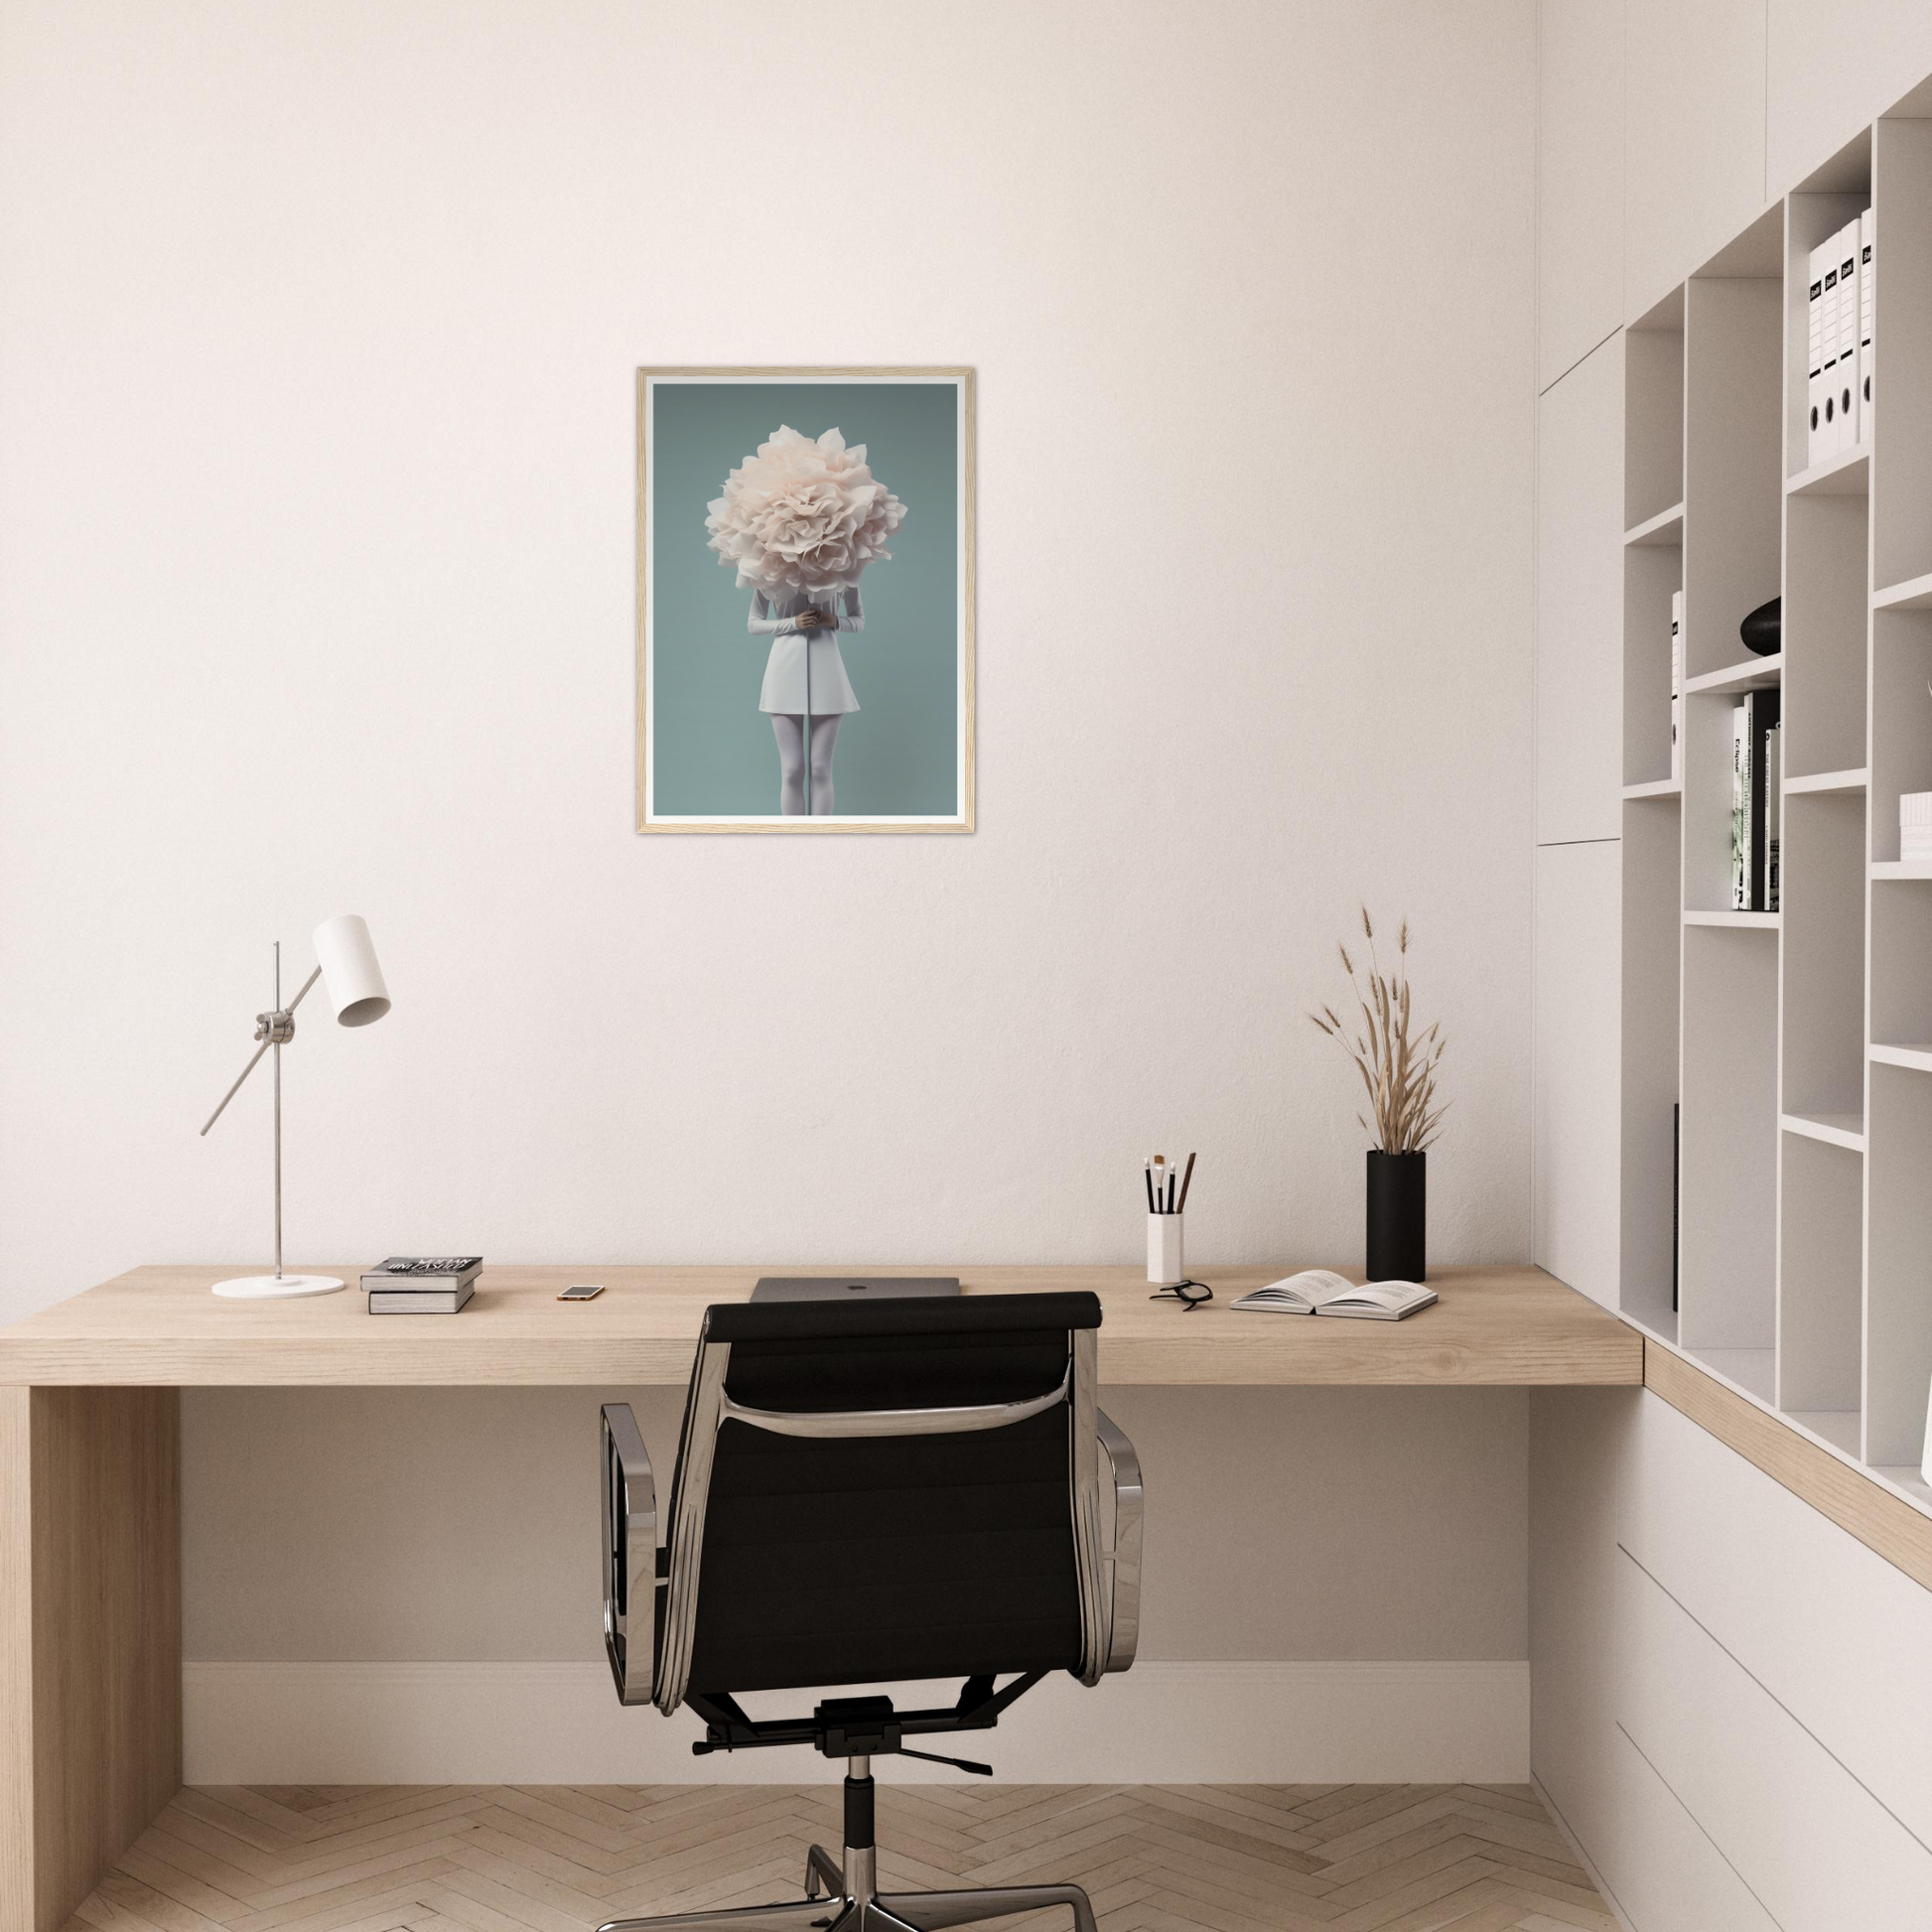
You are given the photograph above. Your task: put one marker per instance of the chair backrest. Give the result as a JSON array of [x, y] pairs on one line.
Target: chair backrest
[[885, 1491]]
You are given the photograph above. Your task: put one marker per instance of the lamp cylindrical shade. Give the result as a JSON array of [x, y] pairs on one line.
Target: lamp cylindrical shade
[[350, 975]]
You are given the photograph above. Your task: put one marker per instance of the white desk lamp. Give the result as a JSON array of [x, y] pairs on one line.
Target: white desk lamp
[[352, 981]]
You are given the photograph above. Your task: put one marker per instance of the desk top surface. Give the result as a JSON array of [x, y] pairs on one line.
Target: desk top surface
[[159, 1326]]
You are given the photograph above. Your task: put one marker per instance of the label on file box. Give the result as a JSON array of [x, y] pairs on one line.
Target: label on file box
[[1815, 359]]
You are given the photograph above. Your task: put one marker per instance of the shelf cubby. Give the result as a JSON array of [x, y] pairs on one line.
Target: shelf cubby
[[1898, 1310], [1652, 952], [1826, 613], [1901, 963], [1813, 214], [1901, 719], [1653, 435], [1902, 402], [1733, 480], [1729, 1084], [1823, 921], [1652, 573], [1798, 1040], [1820, 1270]]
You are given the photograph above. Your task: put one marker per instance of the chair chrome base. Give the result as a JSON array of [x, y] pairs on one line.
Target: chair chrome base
[[851, 1906]]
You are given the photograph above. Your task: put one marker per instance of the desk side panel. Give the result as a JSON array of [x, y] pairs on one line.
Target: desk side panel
[[103, 1541], [16, 1665]]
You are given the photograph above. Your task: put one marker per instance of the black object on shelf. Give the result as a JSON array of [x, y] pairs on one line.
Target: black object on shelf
[[1398, 1216], [1676, 1192], [1764, 630]]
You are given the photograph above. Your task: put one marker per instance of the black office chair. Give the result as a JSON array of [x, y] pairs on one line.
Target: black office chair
[[865, 1495]]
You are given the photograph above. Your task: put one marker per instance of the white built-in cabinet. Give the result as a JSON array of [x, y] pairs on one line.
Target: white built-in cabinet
[[1798, 1041], [1730, 1691]]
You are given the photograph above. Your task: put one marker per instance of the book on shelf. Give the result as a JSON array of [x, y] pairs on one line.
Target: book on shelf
[[1773, 807], [1755, 820], [420, 1301], [1321, 1290], [1752, 722], [1867, 301], [1815, 358], [1677, 687], [1740, 811], [1761, 719], [1847, 393], [1676, 1193]]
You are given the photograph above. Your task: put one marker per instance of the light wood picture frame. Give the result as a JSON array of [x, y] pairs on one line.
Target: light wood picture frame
[[805, 599]]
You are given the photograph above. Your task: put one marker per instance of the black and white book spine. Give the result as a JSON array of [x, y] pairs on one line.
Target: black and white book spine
[[1761, 716], [1677, 687], [1867, 303], [1740, 811], [1773, 813], [1815, 359]]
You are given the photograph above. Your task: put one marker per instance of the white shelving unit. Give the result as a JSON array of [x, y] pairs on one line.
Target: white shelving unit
[[1797, 1043]]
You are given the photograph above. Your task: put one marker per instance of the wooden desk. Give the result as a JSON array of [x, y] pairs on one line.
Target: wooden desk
[[161, 1327], [89, 1461]]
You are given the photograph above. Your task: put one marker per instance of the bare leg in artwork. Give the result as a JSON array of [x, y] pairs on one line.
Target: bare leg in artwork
[[788, 727]]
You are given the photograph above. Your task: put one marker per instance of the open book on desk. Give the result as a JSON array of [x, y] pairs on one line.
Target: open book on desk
[[1321, 1290]]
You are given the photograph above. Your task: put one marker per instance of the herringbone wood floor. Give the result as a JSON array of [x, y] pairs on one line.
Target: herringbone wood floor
[[561, 1858]]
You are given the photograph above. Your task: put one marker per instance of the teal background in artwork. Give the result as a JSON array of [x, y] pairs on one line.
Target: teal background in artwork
[[713, 751]]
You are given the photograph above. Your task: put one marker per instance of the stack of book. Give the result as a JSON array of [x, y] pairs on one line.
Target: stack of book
[[1839, 361], [422, 1284], [1754, 804]]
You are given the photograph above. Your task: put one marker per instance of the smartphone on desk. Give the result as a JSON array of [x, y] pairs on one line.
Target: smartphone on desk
[[582, 1291]]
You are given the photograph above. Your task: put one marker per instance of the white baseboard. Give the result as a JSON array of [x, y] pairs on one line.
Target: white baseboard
[[561, 1723]]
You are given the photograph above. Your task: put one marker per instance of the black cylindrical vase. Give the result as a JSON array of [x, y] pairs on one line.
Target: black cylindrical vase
[[1398, 1216]]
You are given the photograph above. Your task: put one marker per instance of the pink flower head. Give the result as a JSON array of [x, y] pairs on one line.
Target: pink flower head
[[801, 515]]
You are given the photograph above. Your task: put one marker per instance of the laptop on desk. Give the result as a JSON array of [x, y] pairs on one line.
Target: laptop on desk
[[851, 1288]]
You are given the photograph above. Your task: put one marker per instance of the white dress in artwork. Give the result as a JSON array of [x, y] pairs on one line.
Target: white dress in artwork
[[785, 673]]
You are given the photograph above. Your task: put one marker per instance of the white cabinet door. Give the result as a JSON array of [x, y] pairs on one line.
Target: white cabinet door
[[1580, 601], [1833, 65], [1575, 1201], [1578, 179], [1782, 1588], [1693, 137], [1818, 1851]]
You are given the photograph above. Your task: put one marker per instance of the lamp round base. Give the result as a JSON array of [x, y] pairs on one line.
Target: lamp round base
[[276, 1288]]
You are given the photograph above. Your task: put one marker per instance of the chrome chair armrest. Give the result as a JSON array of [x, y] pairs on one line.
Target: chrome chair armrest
[[1123, 1559], [629, 1554]]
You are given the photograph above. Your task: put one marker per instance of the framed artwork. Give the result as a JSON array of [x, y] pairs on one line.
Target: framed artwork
[[804, 600]]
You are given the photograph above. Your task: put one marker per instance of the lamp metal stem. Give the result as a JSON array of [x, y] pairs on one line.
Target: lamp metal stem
[[278, 1116]]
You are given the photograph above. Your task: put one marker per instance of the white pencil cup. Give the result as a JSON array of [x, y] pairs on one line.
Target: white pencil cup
[[1164, 1249]]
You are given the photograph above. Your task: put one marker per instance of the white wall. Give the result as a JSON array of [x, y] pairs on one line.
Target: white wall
[[315, 490], [316, 336]]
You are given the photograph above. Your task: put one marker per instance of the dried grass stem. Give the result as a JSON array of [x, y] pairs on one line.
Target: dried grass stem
[[1398, 1067]]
